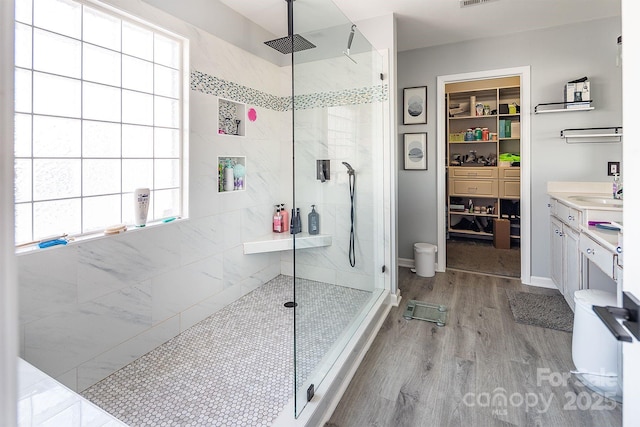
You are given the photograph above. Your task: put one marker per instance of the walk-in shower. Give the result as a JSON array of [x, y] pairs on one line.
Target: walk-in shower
[[184, 321]]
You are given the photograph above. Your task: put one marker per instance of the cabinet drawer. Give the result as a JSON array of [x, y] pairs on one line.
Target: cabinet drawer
[[509, 173], [510, 189], [469, 172], [473, 187], [568, 215], [597, 254]]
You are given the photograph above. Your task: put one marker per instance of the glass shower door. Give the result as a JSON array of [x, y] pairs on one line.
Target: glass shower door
[[337, 149]]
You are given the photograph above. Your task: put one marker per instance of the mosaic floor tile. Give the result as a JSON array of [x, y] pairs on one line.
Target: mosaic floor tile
[[235, 368]]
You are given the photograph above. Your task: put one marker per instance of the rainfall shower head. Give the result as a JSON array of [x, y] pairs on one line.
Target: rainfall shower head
[[284, 44], [350, 170], [292, 42]]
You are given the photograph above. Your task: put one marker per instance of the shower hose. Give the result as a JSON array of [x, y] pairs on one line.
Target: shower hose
[[352, 236]]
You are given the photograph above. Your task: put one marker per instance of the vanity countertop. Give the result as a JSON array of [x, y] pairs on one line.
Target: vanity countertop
[[582, 201]]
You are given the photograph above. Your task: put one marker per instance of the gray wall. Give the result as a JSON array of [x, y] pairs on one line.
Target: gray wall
[[556, 55]]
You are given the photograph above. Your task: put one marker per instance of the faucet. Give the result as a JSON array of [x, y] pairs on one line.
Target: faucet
[[618, 194]]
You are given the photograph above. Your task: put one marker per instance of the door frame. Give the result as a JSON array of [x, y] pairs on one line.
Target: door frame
[[525, 161]]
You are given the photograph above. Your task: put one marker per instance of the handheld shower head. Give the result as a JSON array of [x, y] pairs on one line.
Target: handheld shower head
[[347, 52], [351, 34], [350, 170]]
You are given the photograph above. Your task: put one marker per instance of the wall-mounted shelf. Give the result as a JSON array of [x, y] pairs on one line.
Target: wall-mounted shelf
[[601, 134], [563, 107], [275, 242]]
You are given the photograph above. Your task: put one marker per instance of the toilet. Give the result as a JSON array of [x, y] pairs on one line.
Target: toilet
[[594, 349]]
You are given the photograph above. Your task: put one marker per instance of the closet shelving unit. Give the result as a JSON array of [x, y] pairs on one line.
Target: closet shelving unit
[[493, 189]]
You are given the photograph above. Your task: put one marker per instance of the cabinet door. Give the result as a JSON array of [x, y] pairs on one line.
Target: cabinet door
[[471, 172], [509, 173], [478, 188], [568, 215], [509, 189], [571, 267], [556, 253]]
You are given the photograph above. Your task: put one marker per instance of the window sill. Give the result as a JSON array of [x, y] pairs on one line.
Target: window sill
[[74, 240]]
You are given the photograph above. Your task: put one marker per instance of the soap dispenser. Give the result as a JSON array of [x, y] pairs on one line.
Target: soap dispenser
[[617, 187], [314, 221], [277, 220]]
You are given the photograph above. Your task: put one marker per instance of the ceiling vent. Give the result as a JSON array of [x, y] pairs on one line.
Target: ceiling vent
[[467, 3]]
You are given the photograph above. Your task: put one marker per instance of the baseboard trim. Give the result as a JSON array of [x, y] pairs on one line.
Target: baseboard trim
[[394, 299], [406, 262], [542, 282]]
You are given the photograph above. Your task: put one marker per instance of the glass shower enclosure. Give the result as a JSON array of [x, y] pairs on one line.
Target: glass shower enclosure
[[337, 159]]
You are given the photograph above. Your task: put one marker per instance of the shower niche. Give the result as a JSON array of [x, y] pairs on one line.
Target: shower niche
[[232, 174], [231, 118]]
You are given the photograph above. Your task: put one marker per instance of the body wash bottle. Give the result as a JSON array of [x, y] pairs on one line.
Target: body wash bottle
[[298, 221], [314, 221], [277, 220], [292, 228], [285, 218], [141, 206]]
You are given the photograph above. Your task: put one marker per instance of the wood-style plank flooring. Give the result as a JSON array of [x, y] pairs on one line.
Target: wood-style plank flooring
[[481, 369]]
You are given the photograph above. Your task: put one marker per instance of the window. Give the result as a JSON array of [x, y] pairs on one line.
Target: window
[[98, 113]]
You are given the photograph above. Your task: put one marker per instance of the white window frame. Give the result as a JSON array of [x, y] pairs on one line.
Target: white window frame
[[182, 125]]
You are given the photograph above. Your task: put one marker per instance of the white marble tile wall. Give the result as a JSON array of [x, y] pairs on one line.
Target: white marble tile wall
[[357, 144], [90, 308]]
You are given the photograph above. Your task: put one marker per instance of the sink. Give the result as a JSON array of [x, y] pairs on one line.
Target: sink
[[598, 200]]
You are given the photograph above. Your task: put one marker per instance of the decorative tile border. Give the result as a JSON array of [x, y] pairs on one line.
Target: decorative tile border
[[212, 85]]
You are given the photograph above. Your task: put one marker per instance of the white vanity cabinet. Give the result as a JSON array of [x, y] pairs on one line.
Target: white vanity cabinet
[[565, 256], [572, 248]]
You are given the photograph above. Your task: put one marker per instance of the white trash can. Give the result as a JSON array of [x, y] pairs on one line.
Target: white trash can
[[593, 347], [424, 255]]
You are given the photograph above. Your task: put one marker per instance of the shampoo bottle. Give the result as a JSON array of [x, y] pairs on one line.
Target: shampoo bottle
[[141, 206], [314, 221], [292, 229], [285, 218], [228, 176], [298, 221], [277, 220]]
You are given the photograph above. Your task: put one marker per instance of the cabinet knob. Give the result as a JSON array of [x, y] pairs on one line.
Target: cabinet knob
[[561, 234], [557, 231], [548, 205], [619, 250], [591, 251], [570, 218]]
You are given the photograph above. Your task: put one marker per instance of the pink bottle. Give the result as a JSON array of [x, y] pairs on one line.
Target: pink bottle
[[285, 218], [277, 220]]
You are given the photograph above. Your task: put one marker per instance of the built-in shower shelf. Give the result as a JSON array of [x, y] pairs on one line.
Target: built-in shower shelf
[[275, 242]]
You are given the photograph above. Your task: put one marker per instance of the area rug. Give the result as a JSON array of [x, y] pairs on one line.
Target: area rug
[[547, 311]]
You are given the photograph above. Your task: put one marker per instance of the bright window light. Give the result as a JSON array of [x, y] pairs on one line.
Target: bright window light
[[98, 113]]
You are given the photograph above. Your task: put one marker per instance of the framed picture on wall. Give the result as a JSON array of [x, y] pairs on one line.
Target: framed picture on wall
[[415, 151], [415, 105]]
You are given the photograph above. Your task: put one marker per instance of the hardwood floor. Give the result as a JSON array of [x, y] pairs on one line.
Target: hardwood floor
[[481, 369]]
